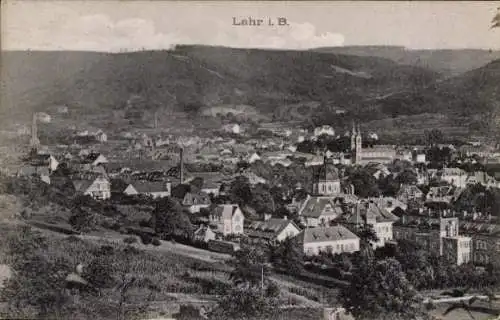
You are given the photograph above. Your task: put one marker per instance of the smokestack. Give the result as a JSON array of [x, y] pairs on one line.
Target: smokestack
[[181, 169], [35, 143]]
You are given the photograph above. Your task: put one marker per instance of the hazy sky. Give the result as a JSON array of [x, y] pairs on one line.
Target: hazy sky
[[113, 26]]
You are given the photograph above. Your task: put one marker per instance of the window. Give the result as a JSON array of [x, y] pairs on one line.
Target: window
[[237, 218]]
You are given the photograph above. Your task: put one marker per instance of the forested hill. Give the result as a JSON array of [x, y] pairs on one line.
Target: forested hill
[[447, 61], [194, 78], [201, 76]]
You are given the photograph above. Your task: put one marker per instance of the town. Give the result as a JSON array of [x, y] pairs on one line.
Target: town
[[340, 161], [315, 204]]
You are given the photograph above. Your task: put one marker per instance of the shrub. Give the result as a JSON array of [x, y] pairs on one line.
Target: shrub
[[130, 240], [146, 239], [145, 223], [73, 238], [155, 241]]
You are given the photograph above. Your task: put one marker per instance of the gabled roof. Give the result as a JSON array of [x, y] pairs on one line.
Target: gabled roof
[[148, 186], [91, 157], [314, 207], [198, 198], [82, 185], [225, 211], [364, 211], [324, 234], [268, 229], [29, 170]]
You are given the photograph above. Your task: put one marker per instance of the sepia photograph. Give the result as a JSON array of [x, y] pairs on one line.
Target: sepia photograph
[[254, 160]]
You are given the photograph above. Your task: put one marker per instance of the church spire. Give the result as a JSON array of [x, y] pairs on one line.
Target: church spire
[[353, 128]]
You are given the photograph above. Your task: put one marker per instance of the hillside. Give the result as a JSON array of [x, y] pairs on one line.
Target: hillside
[[473, 97], [265, 84], [448, 62], [191, 77]]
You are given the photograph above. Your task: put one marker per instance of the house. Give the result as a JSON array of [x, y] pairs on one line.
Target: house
[[485, 237], [454, 176], [94, 159], [408, 193], [100, 136], [253, 179], [155, 189], [272, 230], [253, 158], [444, 194], [44, 160], [28, 171], [437, 234], [227, 219], [232, 128], [482, 178], [418, 157], [370, 213], [98, 187], [317, 211], [377, 170], [389, 203], [336, 239], [196, 201], [212, 181], [324, 130], [204, 234]]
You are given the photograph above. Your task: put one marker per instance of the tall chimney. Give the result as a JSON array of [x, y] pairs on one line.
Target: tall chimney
[[35, 143], [181, 166]]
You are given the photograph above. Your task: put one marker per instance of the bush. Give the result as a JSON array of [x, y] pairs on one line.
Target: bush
[[73, 238], [155, 241], [145, 223], [130, 240], [146, 239]]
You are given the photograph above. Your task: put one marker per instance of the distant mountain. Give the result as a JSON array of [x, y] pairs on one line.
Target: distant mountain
[[449, 62], [190, 78], [473, 96], [267, 84]]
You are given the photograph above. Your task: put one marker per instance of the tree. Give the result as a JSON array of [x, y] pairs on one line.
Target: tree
[[433, 137], [247, 303], [495, 22], [170, 219], [83, 220], [37, 283], [262, 200], [250, 267], [253, 296], [380, 291], [289, 256], [408, 176], [241, 192], [197, 183], [365, 185]]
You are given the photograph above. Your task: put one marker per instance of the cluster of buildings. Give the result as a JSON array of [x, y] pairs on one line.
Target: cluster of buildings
[[329, 217]]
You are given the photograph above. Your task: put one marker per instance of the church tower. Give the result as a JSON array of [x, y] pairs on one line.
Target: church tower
[[353, 138], [326, 179], [356, 144]]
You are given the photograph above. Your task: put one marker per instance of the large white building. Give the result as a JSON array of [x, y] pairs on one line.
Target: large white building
[[335, 239]]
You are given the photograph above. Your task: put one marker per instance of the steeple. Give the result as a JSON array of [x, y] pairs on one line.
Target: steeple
[[353, 129]]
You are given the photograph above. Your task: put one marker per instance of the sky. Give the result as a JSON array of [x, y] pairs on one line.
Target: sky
[[134, 25]]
